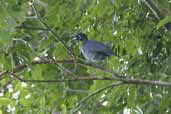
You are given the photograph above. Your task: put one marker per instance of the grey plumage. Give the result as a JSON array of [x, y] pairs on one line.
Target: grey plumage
[[94, 50]]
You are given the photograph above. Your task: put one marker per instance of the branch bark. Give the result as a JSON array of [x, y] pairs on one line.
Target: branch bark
[[125, 80], [91, 78]]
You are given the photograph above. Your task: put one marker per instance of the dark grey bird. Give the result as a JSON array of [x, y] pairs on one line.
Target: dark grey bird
[[93, 50]]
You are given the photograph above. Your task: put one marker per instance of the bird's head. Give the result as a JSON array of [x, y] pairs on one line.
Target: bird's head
[[79, 37]]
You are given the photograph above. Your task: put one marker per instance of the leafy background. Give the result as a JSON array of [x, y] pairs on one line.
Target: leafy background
[[128, 26]]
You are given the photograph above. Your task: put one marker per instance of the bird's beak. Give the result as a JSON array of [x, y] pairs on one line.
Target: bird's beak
[[74, 39]]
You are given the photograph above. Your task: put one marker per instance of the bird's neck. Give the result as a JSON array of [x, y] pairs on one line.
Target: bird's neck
[[84, 40]]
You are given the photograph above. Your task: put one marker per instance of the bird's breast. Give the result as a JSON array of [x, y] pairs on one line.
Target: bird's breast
[[88, 54]]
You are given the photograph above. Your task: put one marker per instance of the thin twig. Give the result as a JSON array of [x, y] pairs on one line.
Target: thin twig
[[77, 91], [56, 37], [31, 28], [157, 12], [7, 83], [55, 62], [22, 66], [63, 80], [79, 105], [62, 68], [115, 74], [2, 74], [154, 8]]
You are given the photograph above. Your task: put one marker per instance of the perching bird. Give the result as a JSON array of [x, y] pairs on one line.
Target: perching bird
[[93, 50]]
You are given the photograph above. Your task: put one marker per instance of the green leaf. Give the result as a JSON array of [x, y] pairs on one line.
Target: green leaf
[[164, 21]]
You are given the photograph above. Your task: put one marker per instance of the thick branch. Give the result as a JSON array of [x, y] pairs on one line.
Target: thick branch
[[91, 78], [22, 66], [125, 80]]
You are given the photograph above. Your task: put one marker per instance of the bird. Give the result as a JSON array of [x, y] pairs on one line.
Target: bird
[[93, 50]]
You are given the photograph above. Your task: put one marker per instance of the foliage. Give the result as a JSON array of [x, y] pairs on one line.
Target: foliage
[[127, 25]]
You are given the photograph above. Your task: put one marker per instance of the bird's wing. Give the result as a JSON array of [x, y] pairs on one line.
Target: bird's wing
[[98, 47]]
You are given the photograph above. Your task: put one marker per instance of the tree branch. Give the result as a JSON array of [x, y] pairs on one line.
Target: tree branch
[[114, 73], [6, 84], [157, 12], [2, 74], [91, 78], [56, 37], [22, 66], [125, 80], [31, 28], [79, 105]]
